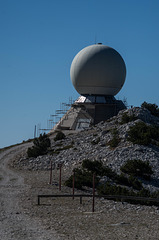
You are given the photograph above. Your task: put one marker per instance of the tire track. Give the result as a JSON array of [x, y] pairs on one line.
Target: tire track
[[15, 224]]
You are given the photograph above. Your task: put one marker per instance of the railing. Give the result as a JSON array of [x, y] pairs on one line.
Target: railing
[[121, 197]]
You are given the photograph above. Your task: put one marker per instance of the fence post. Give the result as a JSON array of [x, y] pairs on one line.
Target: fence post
[[50, 171], [93, 191], [38, 200], [60, 178], [80, 199], [73, 184]]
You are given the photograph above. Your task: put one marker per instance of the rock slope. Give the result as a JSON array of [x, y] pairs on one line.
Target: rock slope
[[93, 144]]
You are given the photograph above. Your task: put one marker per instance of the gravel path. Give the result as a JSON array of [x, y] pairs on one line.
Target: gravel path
[[22, 219], [15, 224]]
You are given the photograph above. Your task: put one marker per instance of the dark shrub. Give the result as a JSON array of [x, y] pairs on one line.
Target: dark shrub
[[114, 131], [40, 147], [108, 189], [143, 134], [126, 118], [58, 150], [153, 108], [137, 168], [84, 175], [144, 193], [114, 142], [134, 182], [129, 181], [98, 168], [59, 136], [82, 178], [93, 166]]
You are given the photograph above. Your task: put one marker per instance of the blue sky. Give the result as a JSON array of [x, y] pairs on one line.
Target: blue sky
[[39, 39]]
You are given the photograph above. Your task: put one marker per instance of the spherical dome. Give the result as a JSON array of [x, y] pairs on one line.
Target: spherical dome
[[98, 70]]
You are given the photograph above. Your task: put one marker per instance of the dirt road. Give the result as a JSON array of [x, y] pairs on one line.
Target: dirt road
[[15, 224], [65, 219]]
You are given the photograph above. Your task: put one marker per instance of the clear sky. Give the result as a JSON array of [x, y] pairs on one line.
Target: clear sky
[[39, 39]]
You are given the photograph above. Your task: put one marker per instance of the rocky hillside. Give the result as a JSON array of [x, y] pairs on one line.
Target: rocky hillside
[[108, 142]]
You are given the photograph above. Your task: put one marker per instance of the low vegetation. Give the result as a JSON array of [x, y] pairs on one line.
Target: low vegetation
[[129, 181], [137, 168], [83, 178], [116, 184], [127, 178], [41, 146], [153, 108], [109, 189], [143, 134], [58, 150], [59, 136], [114, 142], [126, 118]]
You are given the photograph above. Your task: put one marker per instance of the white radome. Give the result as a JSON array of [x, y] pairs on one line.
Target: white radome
[[98, 70]]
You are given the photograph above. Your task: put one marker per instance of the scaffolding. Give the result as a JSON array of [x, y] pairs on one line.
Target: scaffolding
[[54, 118]]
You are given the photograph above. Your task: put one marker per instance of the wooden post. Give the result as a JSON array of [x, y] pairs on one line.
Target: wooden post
[[80, 199], [50, 171], [93, 191], [60, 178], [73, 184], [38, 200]]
